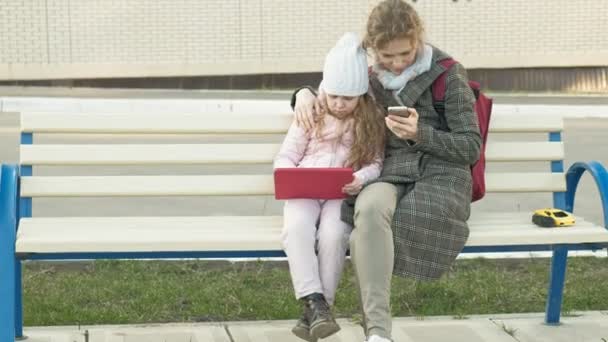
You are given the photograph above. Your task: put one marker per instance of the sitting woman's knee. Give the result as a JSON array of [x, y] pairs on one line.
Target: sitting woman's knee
[[374, 211], [376, 202]]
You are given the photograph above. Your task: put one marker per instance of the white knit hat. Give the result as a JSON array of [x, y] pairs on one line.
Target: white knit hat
[[345, 70]]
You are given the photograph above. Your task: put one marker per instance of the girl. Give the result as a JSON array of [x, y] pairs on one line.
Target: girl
[[416, 212], [351, 134]]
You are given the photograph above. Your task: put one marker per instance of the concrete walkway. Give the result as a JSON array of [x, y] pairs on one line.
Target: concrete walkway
[[581, 327]]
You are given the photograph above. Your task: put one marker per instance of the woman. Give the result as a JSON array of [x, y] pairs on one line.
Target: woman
[[412, 220]]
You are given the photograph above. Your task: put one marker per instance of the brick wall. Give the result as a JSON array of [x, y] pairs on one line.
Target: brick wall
[[54, 39]]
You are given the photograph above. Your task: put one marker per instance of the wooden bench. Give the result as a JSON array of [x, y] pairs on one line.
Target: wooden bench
[[23, 237]]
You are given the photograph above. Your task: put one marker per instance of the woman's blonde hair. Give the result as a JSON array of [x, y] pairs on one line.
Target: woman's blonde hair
[[392, 19], [369, 132]]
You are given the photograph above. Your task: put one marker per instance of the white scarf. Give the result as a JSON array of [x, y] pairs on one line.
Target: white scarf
[[396, 83]]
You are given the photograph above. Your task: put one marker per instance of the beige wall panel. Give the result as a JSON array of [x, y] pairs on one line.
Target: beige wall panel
[[45, 39], [23, 32]]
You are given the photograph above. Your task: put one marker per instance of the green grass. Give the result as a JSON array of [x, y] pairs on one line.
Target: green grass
[[116, 292]]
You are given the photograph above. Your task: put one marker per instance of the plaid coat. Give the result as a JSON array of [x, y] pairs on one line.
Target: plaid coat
[[433, 176]]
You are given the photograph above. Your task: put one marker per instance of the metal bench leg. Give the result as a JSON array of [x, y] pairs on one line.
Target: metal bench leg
[[7, 292], [18, 301], [556, 285]]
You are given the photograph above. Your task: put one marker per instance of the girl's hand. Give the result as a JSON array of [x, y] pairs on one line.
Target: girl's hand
[[308, 107], [404, 127], [353, 187]]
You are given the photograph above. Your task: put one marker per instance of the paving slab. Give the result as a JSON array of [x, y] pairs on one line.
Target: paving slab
[[442, 329], [583, 327], [275, 331], [130, 333]]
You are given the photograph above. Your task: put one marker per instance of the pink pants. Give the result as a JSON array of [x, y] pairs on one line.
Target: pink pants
[[312, 226]]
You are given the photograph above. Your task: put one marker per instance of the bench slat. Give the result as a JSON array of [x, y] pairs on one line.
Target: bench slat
[[129, 154], [524, 151], [224, 123], [524, 123], [531, 234], [133, 154], [232, 185], [116, 234], [154, 123], [496, 219], [158, 234], [147, 186], [525, 182]]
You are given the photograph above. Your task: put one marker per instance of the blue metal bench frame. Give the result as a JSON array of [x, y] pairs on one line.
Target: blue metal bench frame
[[13, 207]]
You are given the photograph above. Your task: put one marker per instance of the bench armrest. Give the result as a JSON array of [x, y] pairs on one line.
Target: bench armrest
[[600, 175], [9, 176]]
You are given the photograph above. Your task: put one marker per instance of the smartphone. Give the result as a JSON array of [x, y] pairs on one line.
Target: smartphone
[[399, 110]]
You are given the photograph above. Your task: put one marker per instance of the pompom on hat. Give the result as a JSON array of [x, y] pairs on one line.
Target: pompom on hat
[[345, 69]]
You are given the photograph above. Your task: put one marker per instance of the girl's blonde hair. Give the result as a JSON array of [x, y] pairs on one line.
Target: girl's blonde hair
[[369, 132], [392, 19]]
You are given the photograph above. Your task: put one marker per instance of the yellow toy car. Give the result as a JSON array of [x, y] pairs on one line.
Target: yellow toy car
[[551, 217]]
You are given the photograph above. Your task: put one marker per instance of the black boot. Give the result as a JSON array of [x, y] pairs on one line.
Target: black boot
[[321, 322], [302, 328]]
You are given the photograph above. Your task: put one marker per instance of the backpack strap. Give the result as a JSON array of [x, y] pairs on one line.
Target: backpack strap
[[438, 90], [438, 86]]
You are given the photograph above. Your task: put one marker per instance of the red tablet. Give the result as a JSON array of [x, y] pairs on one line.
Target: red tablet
[[313, 183]]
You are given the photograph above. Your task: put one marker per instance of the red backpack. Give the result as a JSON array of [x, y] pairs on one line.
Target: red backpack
[[483, 108]]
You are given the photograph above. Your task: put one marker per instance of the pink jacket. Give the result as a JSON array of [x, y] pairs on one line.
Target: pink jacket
[[307, 150]]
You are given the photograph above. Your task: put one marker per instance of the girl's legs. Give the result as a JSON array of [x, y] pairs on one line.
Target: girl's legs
[[332, 237], [299, 238], [371, 247], [300, 218]]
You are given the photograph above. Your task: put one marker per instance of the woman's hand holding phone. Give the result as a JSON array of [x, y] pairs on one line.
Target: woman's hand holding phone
[[403, 122]]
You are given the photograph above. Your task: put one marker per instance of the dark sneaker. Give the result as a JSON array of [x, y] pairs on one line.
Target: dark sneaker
[[302, 328], [321, 321]]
